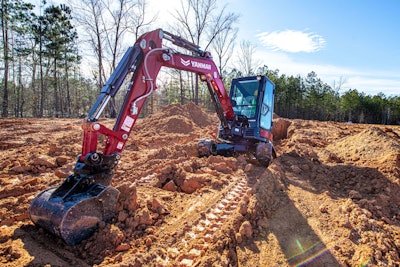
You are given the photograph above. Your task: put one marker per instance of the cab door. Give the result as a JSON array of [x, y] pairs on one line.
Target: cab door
[[267, 105]]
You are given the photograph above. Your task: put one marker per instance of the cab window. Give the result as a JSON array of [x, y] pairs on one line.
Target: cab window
[[245, 96]]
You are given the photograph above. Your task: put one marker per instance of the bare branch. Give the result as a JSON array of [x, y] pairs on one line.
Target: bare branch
[[246, 62]]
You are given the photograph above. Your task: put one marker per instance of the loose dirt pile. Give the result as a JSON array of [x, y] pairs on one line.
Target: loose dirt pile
[[330, 198]]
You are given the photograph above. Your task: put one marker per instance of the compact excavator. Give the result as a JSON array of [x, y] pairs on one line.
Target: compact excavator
[[74, 209]]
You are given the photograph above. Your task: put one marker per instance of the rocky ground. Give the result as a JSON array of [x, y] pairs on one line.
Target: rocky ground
[[330, 198]]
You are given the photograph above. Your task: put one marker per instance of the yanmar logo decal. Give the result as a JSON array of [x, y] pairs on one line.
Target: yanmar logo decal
[[196, 64]]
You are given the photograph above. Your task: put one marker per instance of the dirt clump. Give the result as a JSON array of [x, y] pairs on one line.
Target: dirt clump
[[280, 128], [328, 199]]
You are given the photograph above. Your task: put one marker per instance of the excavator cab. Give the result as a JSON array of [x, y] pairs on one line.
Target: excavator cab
[[250, 132], [254, 99]]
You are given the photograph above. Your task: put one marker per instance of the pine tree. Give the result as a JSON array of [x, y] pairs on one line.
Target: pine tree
[[13, 15], [59, 43]]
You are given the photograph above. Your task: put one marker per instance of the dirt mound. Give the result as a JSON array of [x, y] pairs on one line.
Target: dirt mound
[[374, 147], [354, 166], [280, 128], [178, 119], [371, 144]]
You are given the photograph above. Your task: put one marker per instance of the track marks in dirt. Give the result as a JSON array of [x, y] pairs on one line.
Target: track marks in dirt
[[186, 237], [201, 236]]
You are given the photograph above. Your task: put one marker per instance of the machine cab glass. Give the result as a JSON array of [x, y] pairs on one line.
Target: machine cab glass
[[244, 96]]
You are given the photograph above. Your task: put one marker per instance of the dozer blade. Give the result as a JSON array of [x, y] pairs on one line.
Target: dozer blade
[[73, 216]]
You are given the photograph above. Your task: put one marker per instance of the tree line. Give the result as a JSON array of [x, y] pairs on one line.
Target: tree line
[[55, 59], [310, 98]]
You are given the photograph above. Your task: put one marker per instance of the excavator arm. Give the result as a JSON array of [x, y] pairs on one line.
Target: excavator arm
[[144, 61], [74, 209]]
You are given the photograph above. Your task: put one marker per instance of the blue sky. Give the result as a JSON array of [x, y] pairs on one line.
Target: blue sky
[[354, 41]]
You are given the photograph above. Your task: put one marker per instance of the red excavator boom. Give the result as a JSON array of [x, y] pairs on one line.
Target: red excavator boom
[[144, 60]]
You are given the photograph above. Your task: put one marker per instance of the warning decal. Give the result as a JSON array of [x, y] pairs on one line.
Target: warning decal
[[127, 125]]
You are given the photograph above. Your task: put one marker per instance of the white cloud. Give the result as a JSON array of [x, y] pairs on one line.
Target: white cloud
[[372, 85], [292, 41]]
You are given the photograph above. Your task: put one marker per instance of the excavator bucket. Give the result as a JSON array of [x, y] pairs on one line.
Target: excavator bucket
[[73, 210]]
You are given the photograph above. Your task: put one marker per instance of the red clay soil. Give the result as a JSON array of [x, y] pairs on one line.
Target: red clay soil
[[330, 198]]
